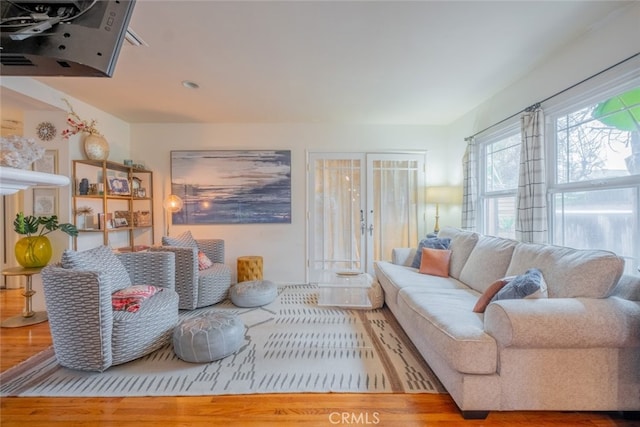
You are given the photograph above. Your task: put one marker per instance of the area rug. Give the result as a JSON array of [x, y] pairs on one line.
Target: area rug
[[291, 346]]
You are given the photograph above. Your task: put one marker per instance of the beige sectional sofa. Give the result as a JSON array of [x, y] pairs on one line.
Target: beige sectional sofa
[[578, 349]]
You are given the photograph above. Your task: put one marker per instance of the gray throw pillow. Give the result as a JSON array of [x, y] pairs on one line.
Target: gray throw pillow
[[531, 284], [101, 259], [431, 243], [184, 240]]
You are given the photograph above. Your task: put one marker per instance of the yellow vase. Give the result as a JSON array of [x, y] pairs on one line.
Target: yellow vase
[[32, 252]]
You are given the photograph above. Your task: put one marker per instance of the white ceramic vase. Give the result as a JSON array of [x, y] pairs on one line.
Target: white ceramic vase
[[96, 147]]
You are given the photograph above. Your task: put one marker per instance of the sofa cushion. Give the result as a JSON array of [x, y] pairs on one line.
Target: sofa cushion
[[430, 242], [435, 262], [569, 273], [444, 317], [394, 277], [101, 259], [487, 262], [462, 243]]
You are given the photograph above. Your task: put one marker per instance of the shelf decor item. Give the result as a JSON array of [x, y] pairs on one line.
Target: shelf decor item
[[119, 186], [81, 214], [35, 250], [95, 145]]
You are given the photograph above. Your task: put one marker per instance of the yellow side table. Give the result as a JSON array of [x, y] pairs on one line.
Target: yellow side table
[[249, 268], [29, 317]]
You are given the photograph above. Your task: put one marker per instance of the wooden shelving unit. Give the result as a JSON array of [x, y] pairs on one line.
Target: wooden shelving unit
[[120, 198]]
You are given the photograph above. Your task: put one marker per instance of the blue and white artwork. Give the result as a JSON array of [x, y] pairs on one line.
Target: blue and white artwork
[[232, 186]]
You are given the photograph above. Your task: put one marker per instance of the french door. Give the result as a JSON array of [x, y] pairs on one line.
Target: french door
[[361, 206]]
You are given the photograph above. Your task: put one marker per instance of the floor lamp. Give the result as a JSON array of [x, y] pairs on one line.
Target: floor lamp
[[446, 195], [172, 204]]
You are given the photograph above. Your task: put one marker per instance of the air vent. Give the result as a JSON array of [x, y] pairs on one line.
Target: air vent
[[15, 61]]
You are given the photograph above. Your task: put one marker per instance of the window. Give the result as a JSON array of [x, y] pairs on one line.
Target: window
[[500, 184], [594, 142], [593, 157], [596, 184]]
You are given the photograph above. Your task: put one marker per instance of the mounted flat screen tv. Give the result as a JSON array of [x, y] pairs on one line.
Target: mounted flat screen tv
[[62, 37]]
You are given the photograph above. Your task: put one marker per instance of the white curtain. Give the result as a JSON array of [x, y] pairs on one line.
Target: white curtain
[[531, 212], [470, 188]]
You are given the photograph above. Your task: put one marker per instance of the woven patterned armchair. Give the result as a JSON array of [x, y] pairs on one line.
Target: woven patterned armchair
[[198, 288], [87, 333]]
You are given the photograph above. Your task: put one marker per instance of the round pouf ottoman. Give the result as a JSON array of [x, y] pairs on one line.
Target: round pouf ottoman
[[208, 337], [253, 293]]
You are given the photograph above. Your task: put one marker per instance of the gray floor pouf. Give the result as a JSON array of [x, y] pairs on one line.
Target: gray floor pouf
[[208, 337], [253, 293]]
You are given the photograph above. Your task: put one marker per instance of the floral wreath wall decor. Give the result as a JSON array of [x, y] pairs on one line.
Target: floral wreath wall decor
[[46, 131]]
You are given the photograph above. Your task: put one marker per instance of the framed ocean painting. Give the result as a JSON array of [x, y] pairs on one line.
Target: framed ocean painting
[[232, 186]]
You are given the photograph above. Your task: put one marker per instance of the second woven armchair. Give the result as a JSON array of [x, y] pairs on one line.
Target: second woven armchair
[[202, 277]]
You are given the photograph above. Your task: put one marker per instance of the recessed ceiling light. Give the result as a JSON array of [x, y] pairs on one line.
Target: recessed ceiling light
[[190, 85]]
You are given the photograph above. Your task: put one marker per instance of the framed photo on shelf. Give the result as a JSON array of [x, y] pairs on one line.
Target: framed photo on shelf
[[119, 186], [120, 222], [45, 201]]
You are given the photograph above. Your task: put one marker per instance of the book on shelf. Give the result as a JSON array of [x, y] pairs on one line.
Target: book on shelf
[[105, 221]]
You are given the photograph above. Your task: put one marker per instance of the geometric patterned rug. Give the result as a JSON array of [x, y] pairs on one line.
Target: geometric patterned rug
[[291, 346]]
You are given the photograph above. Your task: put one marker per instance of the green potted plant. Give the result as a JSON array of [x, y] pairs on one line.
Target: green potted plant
[[35, 250]]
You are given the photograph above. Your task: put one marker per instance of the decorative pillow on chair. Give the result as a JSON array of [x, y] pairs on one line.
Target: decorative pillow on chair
[[203, 261], [430, 242], [100, 259], [435, 262], [531, 284], [130, 299], [184, 240]]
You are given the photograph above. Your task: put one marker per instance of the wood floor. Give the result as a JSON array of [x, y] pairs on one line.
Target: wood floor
[[402, 410]]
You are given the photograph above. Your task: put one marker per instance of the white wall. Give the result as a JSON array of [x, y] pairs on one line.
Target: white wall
[[611, 41], [283, 246]]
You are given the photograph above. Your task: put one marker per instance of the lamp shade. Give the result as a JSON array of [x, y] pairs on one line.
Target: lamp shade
[[173, 203], [446, 195]]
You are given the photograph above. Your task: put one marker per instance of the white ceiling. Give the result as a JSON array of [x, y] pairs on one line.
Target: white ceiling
[[394, 62]]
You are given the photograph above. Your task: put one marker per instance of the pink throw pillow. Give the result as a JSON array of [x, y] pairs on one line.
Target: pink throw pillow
[[203, 261], [130, 299]]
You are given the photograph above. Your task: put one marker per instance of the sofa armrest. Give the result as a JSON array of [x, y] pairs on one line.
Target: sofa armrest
[[403, 256], [151, 268], [213, 248], [564, 322], [80, 317]]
